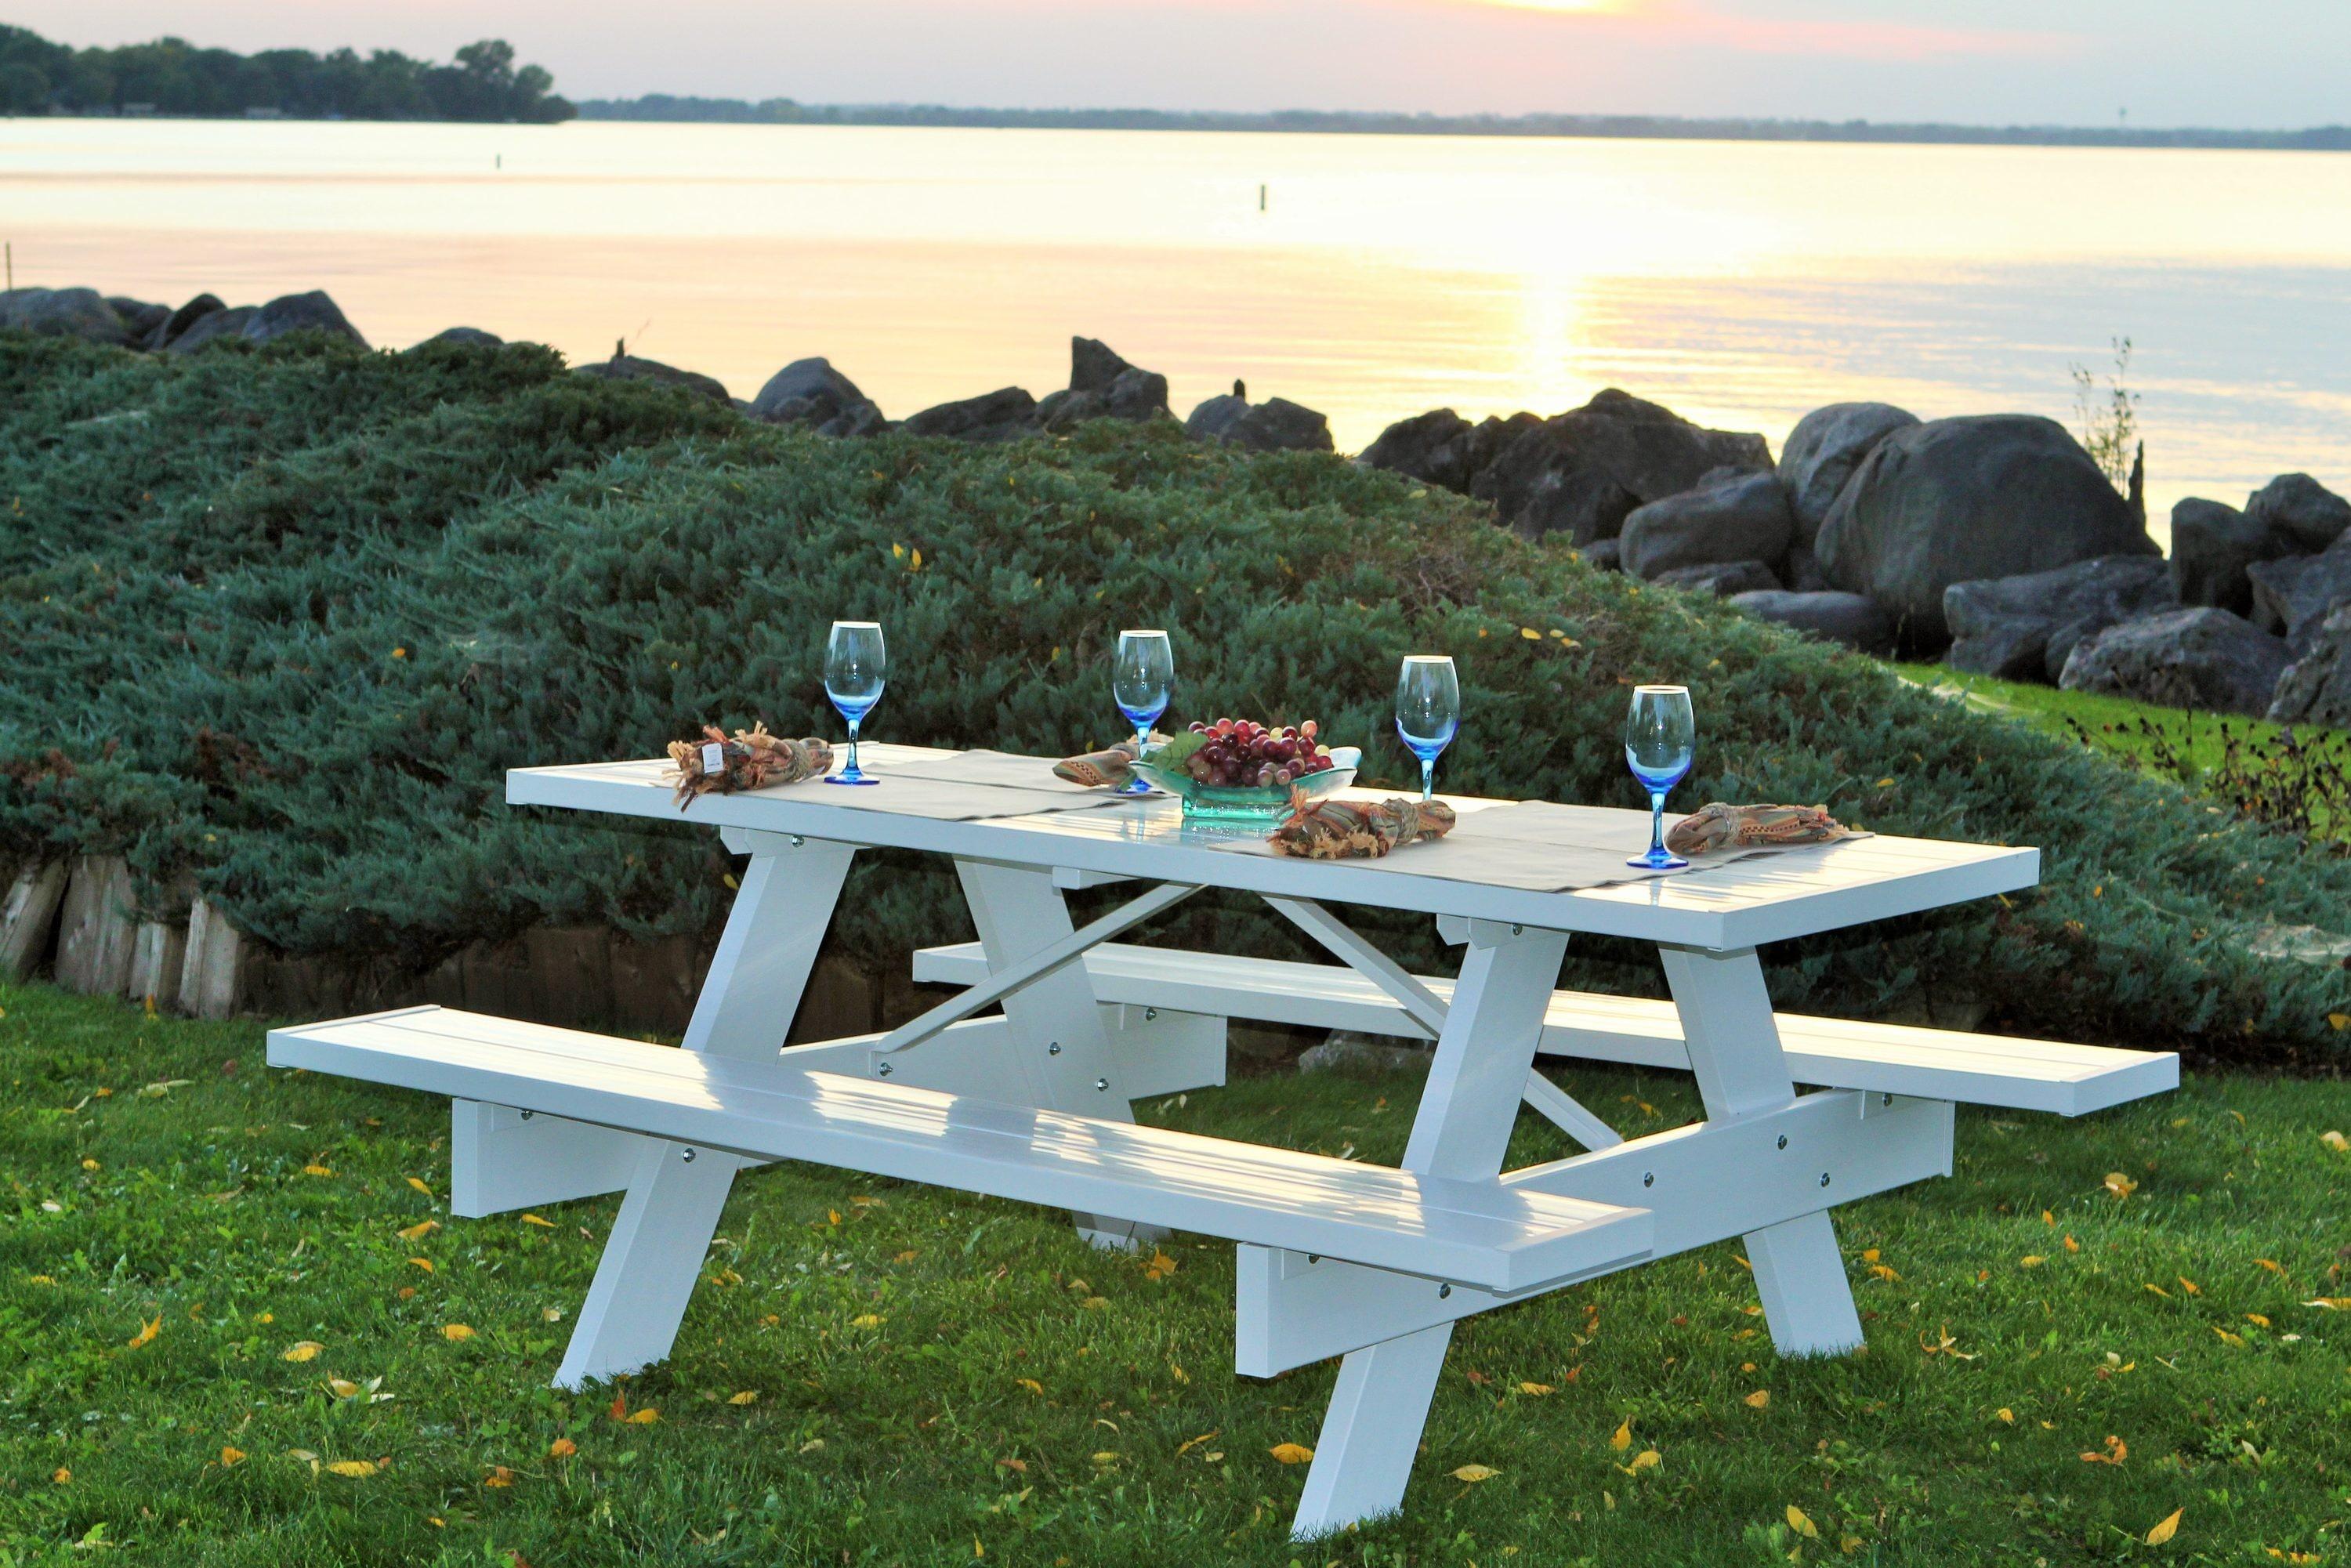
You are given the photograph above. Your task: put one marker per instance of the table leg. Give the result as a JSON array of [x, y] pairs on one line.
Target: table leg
[[1476, 1080], [1060, 1050], [655, 1255], [1734, 1049]]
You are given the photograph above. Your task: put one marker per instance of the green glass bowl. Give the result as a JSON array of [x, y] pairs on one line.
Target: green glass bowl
[[1216, 802]]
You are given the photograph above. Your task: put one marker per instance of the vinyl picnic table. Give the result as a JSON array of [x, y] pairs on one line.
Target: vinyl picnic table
[[1022, 1085]]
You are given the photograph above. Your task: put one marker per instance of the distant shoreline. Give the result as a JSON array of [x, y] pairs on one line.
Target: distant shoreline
[[665, 108]]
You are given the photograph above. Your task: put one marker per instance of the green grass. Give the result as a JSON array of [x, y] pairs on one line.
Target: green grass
[[935, 1376]]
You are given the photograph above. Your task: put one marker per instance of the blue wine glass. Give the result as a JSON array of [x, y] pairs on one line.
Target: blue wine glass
[[856, 666], [1142, 680], [1660, 743], [1428, 711]]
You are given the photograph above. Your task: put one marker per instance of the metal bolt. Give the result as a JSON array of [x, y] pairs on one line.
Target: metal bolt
[[686, 1155], [1149, 1014], [526, 1115], [1054, 1049], [885, 1069], [1824, 1178], [1312, 1259], [798, 842], [1443, 1291], [1648, 1178], [1517, 930], [1784, 1140], [1102, 1083], [1885, 1099]]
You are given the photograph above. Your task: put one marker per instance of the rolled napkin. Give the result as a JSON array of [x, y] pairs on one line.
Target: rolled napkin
[[1716, 827], [1331, 829], [1106, 768], [753, 759]]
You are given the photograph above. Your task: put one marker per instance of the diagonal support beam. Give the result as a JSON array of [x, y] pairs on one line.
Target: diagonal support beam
[[1567, 1113], [1420, 1004], [1034, 967]]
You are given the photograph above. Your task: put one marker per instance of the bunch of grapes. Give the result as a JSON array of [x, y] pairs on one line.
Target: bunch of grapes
[[1238, 753]]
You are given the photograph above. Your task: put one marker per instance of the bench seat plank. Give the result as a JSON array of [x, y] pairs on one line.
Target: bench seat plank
[[1478, 1233], [1833, 1053]]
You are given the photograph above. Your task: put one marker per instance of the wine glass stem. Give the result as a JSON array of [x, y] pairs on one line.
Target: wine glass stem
[[852, 772], [1428, 778], [1658, 824], [1142, 737]]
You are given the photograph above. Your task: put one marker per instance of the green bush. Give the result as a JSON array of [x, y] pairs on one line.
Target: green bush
[[290, 655]]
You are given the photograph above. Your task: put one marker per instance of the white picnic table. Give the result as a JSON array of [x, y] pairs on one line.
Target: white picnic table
[[1022, 1086]]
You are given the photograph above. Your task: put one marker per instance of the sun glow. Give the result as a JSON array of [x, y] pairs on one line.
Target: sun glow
[[1585, 8]]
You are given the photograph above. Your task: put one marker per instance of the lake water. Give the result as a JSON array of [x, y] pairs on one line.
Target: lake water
[[1740, 283]]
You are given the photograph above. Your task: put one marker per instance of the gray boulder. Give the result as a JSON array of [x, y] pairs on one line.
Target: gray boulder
[[2212, 543], [1095, 365], [185, 317], [1604, 555], [1584, 504], [2024, 628], [1495, 435], [1102, 386], [1959, 500], [1804, 571], [2295, 594], [1824, 449], [472, 336], [2199, 658], [139, 318], [1006, 414], [1847, 618], [313, 312], [2316, 688], [209, 328], [1724, 579], [1646, 449], [2303, 514], [1276, 424], [630, 368], [1431, 447], [63, 313], [1735, 516], [810, 391]]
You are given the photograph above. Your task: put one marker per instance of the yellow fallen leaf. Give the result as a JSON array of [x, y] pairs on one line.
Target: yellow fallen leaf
[[2156, 1290], [2118, 1184], [316, 1170], [1105, 1457], [2072, 1244], [1292, 1453], [1622, 1439], [2272, 1264], [418, 1183], [2236, 1341], [1475, 1473], [561, 1448], [2031, 1261], [1869, 1254], [2330, 1303], [2335, 1140], [1880, 1271], [2338, 1022], [2165, 1528], [424, 1263], [146, 1332], [2116, 1451], [61, 1475], [1530, 635], [747, 1396], [305, 1350], [1759, 1400], [419, 1231], [1536, 1390], [342, 1387], [644, 1417], [231, 1457], [1095, 1303], [499, 1476], [534, 1219], [356, 1470], [2257, 1320], [2189, 1285], [1646, 1460], [813, 1446], [1801, 1525], [2047, 1217], [39, 1279], [1191, 1443], [1160, 1266], [866, 1321], [455, 1331], [2006, 1415], [1030, 1384]]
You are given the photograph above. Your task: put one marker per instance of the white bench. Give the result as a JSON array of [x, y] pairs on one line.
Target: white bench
[[1502, 1238], [1834, 1053]]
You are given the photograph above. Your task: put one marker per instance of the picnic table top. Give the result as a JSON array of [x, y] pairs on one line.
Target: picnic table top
[[1733, 904]]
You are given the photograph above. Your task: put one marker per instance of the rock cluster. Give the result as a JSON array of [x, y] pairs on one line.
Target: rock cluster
[[126, 323]]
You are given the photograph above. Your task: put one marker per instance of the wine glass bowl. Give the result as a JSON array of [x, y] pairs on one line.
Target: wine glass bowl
[[1660, 743], [1142, 682], [1428, 711], [856, 668]]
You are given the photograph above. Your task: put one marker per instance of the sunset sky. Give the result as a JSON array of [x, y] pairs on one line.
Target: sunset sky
[[2167, 62]]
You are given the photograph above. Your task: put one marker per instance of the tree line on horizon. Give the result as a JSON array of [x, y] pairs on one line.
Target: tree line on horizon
[[174, 76], [661, 106]]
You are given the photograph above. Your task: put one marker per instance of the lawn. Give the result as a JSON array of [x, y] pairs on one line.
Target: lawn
[[240, 1328]]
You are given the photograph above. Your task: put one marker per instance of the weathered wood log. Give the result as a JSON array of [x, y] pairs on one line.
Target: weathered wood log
[[98, 929], [158, 954], [28, 917], [212, 970]]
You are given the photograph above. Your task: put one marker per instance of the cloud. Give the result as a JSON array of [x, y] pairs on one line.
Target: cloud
[[1693, 22]]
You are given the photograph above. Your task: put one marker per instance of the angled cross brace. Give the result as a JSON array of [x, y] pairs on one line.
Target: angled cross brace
[[1702, 1184]]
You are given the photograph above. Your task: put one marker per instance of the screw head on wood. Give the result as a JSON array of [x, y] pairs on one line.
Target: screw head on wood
[[1648, 1178], [1824, 1178], [526, 1115], [686, 1155], [1054, 1049], [1443, 1291], [885, 1069], [1101, 1083], [1784, 1140], [1150, 1013], [798, 842]]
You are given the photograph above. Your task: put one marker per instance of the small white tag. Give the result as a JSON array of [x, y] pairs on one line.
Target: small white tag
[[714, 758]]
